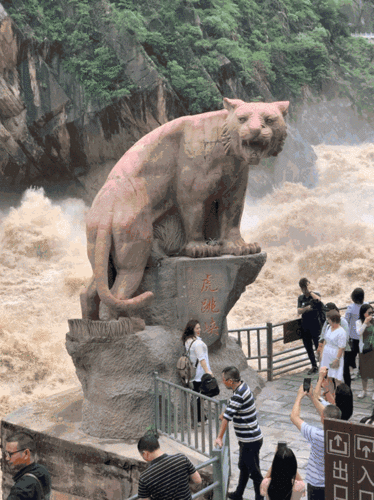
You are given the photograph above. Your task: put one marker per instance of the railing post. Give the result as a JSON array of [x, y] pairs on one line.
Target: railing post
[[155, 374], [269, 341], [217, 475]]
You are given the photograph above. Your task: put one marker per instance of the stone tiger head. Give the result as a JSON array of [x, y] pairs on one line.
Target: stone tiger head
[[254, 130]]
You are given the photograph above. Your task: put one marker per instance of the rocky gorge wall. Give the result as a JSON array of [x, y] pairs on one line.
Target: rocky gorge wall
[[52, 136], [49, 133]]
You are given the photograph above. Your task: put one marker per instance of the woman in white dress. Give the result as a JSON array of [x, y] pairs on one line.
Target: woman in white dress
[[283, 481], [333, 349], [198, 356]]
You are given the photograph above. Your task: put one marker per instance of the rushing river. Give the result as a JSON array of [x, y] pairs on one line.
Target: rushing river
[[325, 234]]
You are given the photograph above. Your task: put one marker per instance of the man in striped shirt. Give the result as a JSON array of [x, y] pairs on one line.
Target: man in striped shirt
[[241, 410], [315, 470], [167, 477]]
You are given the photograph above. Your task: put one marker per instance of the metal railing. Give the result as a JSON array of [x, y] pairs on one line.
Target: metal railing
[[268, 360], [176, 415], [299, 357], [221, 472], [247, 346]]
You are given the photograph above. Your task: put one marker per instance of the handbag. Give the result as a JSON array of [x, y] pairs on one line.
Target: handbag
[[209, 385]]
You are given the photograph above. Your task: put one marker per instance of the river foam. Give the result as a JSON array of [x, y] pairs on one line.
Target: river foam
[[325, 234]]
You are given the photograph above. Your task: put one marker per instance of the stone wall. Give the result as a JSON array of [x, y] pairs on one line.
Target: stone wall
[[81, 467]]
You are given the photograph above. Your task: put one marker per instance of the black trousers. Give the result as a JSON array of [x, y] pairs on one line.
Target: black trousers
[[249, 466], [196, 388], [315, 493], [346, 370], [311, 337], [354, 351]]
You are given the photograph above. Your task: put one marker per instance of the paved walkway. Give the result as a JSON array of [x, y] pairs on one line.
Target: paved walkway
[[274, 406]]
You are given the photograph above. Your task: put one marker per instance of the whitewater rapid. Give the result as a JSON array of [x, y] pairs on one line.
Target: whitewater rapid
[[325, 234]]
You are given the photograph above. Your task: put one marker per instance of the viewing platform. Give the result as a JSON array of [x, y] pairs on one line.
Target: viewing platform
[[274, 405]]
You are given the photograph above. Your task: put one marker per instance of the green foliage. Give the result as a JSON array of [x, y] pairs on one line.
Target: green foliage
[[85, 52], [356, 62], [290, 43]]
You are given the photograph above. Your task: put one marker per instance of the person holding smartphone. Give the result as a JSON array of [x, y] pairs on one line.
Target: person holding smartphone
[[315, 470]]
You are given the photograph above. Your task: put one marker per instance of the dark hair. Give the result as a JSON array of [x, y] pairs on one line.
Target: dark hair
[[303, 282], [334, 315], [24, 441], [363, 310], [358, 295], [149, 442], [330, 306], [344, 400], [231, 373], [283, 473], [332, 411], [189, 330]]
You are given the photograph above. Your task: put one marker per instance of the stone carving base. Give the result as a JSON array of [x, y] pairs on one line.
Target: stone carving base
[[115, 365], [116, 374], [203, 289]]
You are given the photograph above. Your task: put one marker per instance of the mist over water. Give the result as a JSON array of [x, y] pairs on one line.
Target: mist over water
[[325, 233]]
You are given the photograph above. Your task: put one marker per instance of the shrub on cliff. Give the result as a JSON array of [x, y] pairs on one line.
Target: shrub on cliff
[[199, 44]]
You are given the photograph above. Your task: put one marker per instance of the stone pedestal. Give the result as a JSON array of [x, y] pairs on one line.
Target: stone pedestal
[[115, 365], [203, 289]]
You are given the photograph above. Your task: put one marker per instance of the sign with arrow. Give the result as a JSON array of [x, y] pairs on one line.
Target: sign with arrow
[[349, 460]]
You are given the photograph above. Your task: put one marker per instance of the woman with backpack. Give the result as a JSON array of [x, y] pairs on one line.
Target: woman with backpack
[[198, 354]]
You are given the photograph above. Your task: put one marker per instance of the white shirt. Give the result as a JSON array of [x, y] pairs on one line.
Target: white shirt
[[360, 328], [199, 351]]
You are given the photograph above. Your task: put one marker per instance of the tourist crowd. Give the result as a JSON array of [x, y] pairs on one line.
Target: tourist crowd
[[327, 336], [338, 340]]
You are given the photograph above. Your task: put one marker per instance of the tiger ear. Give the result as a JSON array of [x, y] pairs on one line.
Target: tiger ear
[[283, 106], [232, 104]]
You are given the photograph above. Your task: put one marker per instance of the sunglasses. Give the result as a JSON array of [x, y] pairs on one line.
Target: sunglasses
[[9, 454]]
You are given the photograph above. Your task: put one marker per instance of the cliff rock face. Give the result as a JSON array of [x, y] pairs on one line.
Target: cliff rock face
[[51, 135]]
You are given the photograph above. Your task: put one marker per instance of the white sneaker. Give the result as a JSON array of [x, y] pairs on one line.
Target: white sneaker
[[361, 394]]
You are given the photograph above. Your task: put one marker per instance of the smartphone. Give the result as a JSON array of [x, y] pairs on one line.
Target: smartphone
[[281, 444], [306, 384]]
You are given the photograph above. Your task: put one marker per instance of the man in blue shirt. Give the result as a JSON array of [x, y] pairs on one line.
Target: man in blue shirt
[[315, 471]]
